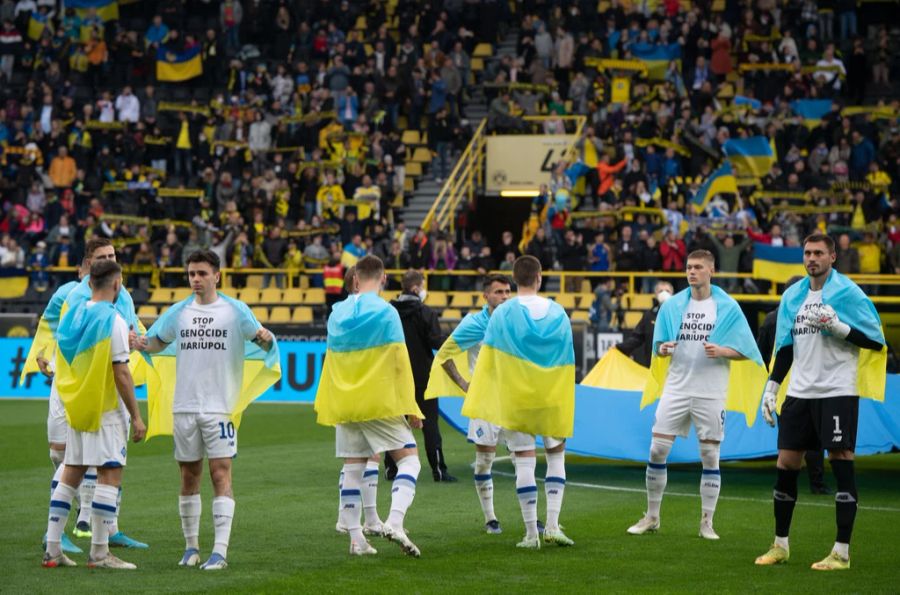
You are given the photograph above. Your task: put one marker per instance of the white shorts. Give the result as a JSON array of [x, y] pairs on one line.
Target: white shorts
[[199, 435], [106, 448], [675, 414], [483, 433], [519, 441], [57, 424], [361, 440]]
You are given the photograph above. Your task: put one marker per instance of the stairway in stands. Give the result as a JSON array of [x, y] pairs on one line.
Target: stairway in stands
[[474, 110]]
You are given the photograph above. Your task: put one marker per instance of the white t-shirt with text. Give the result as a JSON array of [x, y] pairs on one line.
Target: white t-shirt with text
[[691, 373]]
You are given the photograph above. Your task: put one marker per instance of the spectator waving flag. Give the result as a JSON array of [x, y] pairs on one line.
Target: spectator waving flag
[[811, 110], [37, 24], [751, 157], [178, 66], [108, 10], [721, 181], [656, 57]]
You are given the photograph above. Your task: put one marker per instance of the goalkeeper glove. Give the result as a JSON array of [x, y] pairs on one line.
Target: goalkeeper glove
[[770, 398]]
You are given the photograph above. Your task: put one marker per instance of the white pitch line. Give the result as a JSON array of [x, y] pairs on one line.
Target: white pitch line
[[608, 488]]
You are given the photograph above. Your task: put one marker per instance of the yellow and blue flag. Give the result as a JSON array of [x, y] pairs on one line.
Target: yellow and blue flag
[[746, 378], [811, 110], [721, 181], [525, 376], [108, 10], [178, 66], [84, 374], [37, 24], [657, 57], [261, 370], [853, 307], [742, 101], [777, 263], [469, 333], [44, 342], [750, 157], [367, 373], [617, 371]]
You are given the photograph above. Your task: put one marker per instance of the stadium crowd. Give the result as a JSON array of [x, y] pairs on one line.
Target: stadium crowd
[[287, 152]]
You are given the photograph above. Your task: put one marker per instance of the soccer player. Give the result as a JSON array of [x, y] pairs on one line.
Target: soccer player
[[524, 382], [98, 433], [366, 391], [829, 337], [702, 329], [209, 332], [466, 339], [96, 249]]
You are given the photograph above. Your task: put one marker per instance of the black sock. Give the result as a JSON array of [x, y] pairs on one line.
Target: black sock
[[785, 497], [844, 499]]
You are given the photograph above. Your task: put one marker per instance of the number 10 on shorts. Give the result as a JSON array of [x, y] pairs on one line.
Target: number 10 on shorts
[[226, 430]]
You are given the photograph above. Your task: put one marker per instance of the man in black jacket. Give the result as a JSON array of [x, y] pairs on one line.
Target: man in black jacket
[[423, 335], [639, 343]]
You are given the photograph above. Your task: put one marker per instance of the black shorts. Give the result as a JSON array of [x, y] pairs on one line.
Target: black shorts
[[816, 424]]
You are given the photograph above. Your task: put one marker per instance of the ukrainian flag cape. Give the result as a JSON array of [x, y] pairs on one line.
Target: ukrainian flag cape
[[853, 307], [261, 370], [44, 342], [367, 374], [468, 334], [747, 378], [84, 375], [525, 376]]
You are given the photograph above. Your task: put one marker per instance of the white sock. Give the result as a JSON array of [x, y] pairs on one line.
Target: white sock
[[842, 550], [710, 480], [103, 516], [190, 508], [114, 525], [554, 487], [86, 494], [57, 476], [57, 457], [404, 489], [657, 474], [351, 500], [782, 542], [484, 483], [223, 514], [60, 505], [526, 488], [369, 489], [340, 487]]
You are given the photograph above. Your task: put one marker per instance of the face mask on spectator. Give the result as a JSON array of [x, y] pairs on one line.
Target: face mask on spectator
[[423, 294], [663, 296]]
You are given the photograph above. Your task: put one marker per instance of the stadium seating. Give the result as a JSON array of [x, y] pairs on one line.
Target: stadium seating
[[302, 315]]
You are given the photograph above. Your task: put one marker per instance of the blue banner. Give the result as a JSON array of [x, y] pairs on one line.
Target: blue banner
[[301, 366]]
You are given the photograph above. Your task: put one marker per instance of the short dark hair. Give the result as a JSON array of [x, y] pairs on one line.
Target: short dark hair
[[702, 255], [820, 237], [491, 279], [526, 270], [95, 244], [369, 267], [348, 279], [411, 278], [207, 256], [103, 273]]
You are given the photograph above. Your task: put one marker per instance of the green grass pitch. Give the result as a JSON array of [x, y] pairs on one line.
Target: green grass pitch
[[284, 540]]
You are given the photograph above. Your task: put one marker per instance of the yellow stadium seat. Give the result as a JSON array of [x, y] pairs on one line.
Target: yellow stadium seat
[[361, 22], [249, 296], [409, 185], [254, 281], [463, 301], [476, 64], [292, 297], [147, 311], [451, 314], [162, 310], [580, 316], [424, 138], [413, 169], [421, 154], [551, 296], [585, 300], [314, 296], [181, 293], [566, 300], [586, 287], [474, 310], [304, 281], [280, 314], [483, 50], [411, 137], [13, 287], [229, 291], [161, 296], [270, 295], [436, 299], [302, 315], [641, 301], [632, 318], [261, 313]]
